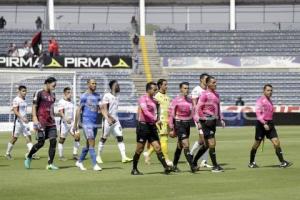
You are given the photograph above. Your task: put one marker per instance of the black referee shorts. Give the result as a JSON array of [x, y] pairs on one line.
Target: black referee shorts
[[146, 132], [261, 133], [209, 128], [182, 129]]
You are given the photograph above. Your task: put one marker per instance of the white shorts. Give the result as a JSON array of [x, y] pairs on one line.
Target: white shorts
[[64, 129], [115, 129], [21, 128], [200, 132]]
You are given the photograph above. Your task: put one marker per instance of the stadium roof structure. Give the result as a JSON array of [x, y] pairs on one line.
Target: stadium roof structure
[[151, 2]]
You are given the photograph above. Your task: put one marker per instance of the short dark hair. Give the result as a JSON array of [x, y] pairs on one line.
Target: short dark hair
[[89, 80], [183, 83], [209, 78], [267, 85], [160, 82], [149, 84], [21, 87], [50, 80], [66, 89], [111, 83], [203, 75]]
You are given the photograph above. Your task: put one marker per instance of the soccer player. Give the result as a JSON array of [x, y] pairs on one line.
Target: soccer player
[[111, 123], [196, 93], [146, 128], [20, 123], [164, 101], [207, 113], [66, 113], [89, 108], [44, 122], [180, 114], [265, 127]]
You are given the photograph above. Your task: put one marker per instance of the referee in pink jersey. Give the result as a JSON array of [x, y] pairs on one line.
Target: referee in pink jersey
[[207, 114], [265, 128], [146, 129]]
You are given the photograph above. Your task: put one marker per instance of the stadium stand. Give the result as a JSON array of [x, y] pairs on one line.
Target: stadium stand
[[228, 43], [74, 43], [249, 85]]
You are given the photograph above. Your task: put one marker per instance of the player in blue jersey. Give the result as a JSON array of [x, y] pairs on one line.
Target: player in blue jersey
[[89, 110]]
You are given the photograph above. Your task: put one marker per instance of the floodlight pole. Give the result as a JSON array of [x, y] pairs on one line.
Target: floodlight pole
[[50, 14], [232, 15], [142, 18]]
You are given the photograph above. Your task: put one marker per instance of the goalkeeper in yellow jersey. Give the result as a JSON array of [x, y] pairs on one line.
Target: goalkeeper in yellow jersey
[[163, 100]]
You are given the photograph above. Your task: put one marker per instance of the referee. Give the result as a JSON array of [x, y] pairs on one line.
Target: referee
[[265, 127], [146, 129]]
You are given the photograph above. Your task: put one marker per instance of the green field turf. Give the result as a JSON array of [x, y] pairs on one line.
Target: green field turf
[[115, 182]]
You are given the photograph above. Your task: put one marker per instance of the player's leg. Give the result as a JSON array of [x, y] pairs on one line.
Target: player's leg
[[106, 128], [63, 135], [259, 136], [276, 143], [84, 152], [51, 133], [160, 156], [76, 147], [212, 153], [163, 138], [147, 154], [204, 157], [41, 141], [177, 156], [10, 147], [17, 130], [118, 133], [91, 142], [141, 139]]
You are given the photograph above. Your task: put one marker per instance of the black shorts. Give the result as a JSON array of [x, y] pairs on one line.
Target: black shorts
[[260, 131], [47, 133], [209, 128], [182, 129], [146, 132]]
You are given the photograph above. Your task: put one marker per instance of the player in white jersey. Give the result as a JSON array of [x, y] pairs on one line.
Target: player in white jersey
[[196, 93], [66, 112], [111, 124], [21, 126]]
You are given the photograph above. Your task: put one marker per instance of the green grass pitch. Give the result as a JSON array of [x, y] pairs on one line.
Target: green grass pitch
[[238, 182]]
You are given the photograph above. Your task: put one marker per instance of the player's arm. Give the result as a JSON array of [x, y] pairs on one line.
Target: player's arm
[[77, 117], [144, 108], [172, 113], [105, 113], [17, 113], [35, 103], [221, 116]]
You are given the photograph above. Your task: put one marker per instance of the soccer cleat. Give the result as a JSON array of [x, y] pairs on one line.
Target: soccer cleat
[[252, 165], [169, 163], [126, 160], [205, 165], [136, 172], [217, 169], [176, 169], [80, 166], [97, 168], [27, 163], [75, 157], [8, 157], [99, 160], [194, 168], [62, 158], [51, 167], [285, 164], [147, 158], [168, 170]]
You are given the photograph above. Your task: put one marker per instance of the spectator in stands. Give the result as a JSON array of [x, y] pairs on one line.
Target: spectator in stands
[[38, 23], [135, 66], [239, 102], [53, 47], [136, 41], [27, 49], [12, 50], [2, 22], [134, 25]]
